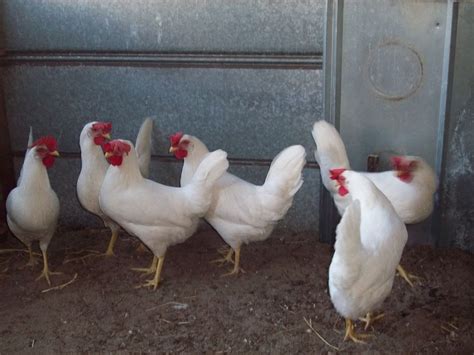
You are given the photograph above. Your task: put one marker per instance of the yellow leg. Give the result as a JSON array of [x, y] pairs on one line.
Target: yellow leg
[[148, 270], [407, 276], [46, 271], [110, 248], [236, 268], [350, 333], [369, 319], [156, 280], [32, 261], [226, 259]]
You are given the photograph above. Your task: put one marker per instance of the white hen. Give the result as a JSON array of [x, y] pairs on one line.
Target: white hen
[[94, 166], [242, 212], [33, 206], [410, 187], [369, 243], [157, 214]]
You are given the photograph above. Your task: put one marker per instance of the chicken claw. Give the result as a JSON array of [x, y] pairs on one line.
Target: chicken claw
[[236, 263], [407, 276], [32, 261], [156, 280], [226, 259], [148, 270], [45, 273], [369, 319], [350, 333]]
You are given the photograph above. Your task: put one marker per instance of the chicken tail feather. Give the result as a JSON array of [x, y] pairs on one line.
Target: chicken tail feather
[[285, 174], [199, 190], [143, 146], [330, 151]]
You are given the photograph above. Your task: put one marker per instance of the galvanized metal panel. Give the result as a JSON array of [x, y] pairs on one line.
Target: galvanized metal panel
[[165, 26], [64, 173], [388, 93], [457, 221], [249, 113], [392, 77]]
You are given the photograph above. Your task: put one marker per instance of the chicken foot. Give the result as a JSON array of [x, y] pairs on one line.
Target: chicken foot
[[94, 253], [156, 280], [351, 334], [45, 273], [236, 263], [225, 259], [407, 276], [32, 261], [370, 318], [148, 270]]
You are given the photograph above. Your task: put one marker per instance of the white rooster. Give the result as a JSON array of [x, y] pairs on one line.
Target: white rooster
[[409, 187], [159, 215], [242, 212], [369, 243], [33, 206], [94, 166]]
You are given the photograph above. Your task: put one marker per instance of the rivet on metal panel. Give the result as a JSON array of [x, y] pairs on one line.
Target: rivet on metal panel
[[395, 70]]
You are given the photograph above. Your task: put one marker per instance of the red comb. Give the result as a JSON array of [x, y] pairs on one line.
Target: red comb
[[335, 173], [117, 147], [104, 127], [404, 168], [175, 138], [48, 141], [397, 162]]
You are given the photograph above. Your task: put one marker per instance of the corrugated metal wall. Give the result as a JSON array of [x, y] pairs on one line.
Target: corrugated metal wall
[[246, 77], [243, 76]]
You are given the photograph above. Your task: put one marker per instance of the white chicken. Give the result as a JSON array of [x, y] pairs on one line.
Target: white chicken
[[94, 166], [242, 212], [369, 243], [159, 215], [33, 206], [410, 187]]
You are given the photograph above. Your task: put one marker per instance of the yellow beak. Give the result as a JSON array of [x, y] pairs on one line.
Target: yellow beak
[[106, 135], [173, 149], [55, 153], [108, 155]]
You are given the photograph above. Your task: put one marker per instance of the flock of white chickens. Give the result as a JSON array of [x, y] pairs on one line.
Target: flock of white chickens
[[113, 185]]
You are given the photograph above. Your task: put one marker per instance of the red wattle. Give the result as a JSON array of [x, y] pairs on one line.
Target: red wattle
[[48, 161], [343, 191], [181, 154], [115, 160]]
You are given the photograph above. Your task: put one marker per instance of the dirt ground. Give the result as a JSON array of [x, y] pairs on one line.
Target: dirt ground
[[196, 310]]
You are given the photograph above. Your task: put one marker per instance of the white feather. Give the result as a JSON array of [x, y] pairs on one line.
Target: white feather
[[413, 201], [94, 167], [242, 212], [159, 215], [369, 243], [33, 206]]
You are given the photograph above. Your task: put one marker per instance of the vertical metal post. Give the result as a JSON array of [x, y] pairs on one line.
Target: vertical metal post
[[440, 232], [7, 174], [328, 215]]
